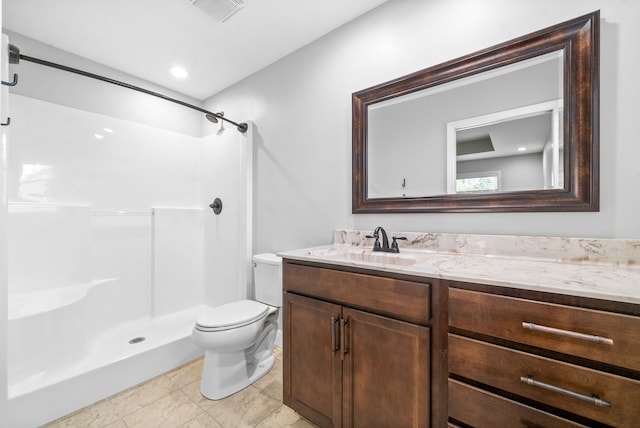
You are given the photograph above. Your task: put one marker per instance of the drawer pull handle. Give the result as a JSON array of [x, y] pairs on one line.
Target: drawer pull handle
[[343, 338], [334, 336], [567, 333], [594, 399]]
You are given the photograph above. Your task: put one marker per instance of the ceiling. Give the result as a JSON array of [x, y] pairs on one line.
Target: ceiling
[[508, 136], [145, 38]]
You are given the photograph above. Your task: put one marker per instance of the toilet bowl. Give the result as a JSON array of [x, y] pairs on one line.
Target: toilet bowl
[[238, 337]]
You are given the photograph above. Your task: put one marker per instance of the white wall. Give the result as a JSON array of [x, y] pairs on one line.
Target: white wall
[[301, 106], [4, 296], [522, 172]]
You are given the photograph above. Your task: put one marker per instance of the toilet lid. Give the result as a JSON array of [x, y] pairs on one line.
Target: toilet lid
[[232, 315]]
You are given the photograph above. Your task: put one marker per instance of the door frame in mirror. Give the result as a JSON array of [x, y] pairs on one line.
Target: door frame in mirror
[[553, 108], [579, 41]]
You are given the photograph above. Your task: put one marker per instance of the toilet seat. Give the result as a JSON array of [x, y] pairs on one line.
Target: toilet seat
[[231, 315]]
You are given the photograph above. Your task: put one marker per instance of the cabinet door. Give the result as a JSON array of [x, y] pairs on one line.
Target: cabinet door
[[385, 373], [312, 364]]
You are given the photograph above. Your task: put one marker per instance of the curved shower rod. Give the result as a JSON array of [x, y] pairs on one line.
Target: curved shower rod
[[15, 56]]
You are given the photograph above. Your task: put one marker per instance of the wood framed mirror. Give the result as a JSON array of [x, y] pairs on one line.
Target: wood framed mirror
[[445, 139]]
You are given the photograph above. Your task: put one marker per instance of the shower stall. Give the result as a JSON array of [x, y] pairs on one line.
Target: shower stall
[[113, 249]]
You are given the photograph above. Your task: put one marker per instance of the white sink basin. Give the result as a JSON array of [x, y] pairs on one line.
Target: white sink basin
[[365, 256], [368, 256]]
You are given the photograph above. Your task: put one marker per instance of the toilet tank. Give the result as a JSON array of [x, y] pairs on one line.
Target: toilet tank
[[267, 277]]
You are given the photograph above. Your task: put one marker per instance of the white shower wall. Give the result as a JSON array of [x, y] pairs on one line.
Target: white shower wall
[[178, 261], [70, 156], [77, 179], [83, 190], [4, 73], [115, 214], [227, 175]]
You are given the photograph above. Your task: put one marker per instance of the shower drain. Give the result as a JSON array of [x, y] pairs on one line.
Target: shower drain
[[136, 340]]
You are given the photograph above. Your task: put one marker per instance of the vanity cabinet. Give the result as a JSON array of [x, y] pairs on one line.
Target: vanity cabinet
[[357, 347], [520, 358]]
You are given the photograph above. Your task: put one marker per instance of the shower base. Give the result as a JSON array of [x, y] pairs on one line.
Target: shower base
[[117, 359]]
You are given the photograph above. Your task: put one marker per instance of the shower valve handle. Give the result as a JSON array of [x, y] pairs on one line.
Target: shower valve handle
[[216, 206]]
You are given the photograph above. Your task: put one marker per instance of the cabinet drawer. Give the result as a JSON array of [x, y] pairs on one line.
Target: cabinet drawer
[[601, 336], [404, 300], [478, 408], [515, 371]]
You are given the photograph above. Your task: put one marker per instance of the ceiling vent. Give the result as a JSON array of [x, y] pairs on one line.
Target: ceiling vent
[[220, 10]]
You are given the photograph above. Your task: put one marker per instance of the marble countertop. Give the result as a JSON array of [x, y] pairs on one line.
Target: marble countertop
[[596, 268]]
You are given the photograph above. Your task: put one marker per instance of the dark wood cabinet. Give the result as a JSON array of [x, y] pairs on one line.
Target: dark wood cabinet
[[365, 348], [540, 359], [480, 408], [356, 367], [604, 336], [385, 372], [313, 371]]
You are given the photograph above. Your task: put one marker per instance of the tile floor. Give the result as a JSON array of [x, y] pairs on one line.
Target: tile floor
[[174, 400]]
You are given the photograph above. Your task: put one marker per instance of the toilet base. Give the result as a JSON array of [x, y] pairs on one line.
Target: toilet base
[[224, 374], [233, 378]]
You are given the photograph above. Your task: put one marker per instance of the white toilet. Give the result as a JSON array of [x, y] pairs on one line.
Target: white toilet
[[238, 337]]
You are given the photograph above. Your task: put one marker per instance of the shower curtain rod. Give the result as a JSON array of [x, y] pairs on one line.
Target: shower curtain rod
[[15, 56]]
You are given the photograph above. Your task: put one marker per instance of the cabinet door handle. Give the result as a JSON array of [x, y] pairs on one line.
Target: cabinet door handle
[[334, 335], [594, 399], [568, 333], [343, 340]]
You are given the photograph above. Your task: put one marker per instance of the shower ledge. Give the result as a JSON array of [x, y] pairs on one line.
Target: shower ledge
[[30, 303]]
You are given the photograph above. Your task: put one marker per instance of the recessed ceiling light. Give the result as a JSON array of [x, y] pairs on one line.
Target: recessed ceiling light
[[179, 72], [522, 149], [98, 136]]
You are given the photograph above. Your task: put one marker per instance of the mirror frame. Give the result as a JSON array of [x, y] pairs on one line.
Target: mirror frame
[[579, 41]]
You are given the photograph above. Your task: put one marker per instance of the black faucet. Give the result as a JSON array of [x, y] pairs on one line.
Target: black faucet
[[385, 241]]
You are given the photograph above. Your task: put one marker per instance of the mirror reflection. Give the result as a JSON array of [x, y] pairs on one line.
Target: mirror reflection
[[519, 149], [414, 137], [495, 131]]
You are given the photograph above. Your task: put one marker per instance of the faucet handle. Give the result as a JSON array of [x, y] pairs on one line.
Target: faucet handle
[[394, 243], [376, 244]]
